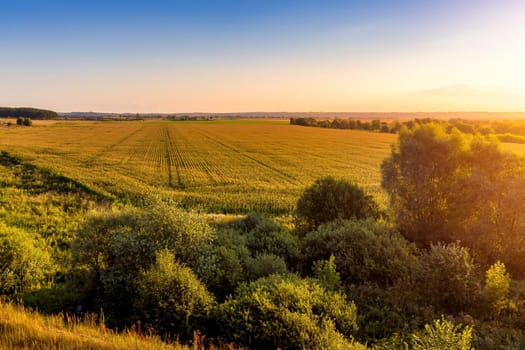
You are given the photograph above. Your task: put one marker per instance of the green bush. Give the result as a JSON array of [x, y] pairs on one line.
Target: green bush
[[25, 262], [112, 249], [231, 260], [363, 250], [329, 199], [170, 297], [443, 335], [263, 236], [445, 277], [325, 273], [265, 264], [289, 313]]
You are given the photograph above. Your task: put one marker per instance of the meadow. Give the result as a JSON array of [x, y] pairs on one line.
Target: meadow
[[222, 166]]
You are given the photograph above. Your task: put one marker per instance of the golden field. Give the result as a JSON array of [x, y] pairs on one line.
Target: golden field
[[219, 166]]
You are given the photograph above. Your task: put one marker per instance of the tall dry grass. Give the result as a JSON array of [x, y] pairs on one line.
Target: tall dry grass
[[21, 328]]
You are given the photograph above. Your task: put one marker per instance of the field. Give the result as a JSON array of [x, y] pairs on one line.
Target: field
[[216, 166]]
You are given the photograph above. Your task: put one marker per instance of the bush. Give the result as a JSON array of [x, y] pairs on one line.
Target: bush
[[443, 335], [265, 264], [363, 250], [497, 285], [25, 262], [445, 277], [170, 297], [289, 313], [325, 273], [329, 199], [263, 236], [112, 249]]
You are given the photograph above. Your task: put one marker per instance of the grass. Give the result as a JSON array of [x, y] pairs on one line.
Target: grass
[[214, 166], [24, 329]]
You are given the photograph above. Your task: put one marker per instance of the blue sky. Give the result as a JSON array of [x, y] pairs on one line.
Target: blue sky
[[253, 55]]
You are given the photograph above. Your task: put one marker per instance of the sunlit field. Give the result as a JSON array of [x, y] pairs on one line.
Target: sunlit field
[[219, 166]]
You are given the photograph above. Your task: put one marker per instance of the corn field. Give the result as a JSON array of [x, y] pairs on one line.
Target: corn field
[[213, 166]]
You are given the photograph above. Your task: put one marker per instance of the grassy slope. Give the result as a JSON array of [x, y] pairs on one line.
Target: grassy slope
[[223, 166], [23, 329]]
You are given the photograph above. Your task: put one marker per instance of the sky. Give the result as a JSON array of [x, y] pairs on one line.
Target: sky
[[263, 55]]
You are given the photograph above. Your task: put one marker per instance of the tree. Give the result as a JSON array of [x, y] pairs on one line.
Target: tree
[[420, 177], [445, 186], [329, 199]]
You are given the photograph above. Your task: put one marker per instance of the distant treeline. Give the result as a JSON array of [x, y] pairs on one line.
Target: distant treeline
[[355, 124], [189, 117], [25, 112], [505, 130]]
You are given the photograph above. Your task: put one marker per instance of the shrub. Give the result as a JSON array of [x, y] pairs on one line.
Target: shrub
[[497, 283], [363, 251], [289, 313], [112, 249], [170, 297], [265, 264], [445, 277], [443, 335], [325, 273], [25, 262], [263, 236], [329, 199]]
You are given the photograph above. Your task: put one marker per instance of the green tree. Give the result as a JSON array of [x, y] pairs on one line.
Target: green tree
[[446, 186], [329, 199], [420, 177]]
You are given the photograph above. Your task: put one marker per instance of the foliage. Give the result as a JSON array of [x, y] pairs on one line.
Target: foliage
[[445, 277], [419, 176], [113, 248], [265, 264], [170, 297], [497, 285], [325, 273], [24, 121], [363, 250], [443, 335], [329, 199], [32, 113], [446, 186], [289, 313], [25, 262], [249, 248], [387, 315]]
